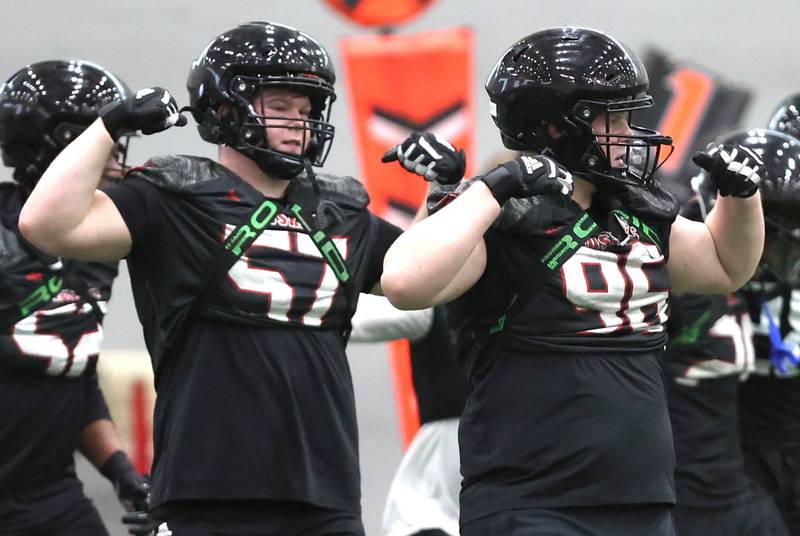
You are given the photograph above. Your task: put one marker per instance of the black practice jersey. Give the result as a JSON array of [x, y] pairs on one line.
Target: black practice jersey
[[770, 399], [709, 353], [439, 380], [49, 341], [567, 404], [41, 421], [255, 399], [46, 324]]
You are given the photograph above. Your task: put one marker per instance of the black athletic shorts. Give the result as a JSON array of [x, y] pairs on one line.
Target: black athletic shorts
[[756, 517], [52, 508], [777, 470], [265, 518], [652, 520]]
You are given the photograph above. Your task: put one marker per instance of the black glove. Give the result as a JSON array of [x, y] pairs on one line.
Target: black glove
[[151, 110], [133, 489], [732, 169], [526, 176], [430, 157], [139, 523]]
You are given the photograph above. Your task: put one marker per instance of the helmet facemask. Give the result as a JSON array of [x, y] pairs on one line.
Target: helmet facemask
[[30, 158], [602, 149], [781, 257], [250, 127]]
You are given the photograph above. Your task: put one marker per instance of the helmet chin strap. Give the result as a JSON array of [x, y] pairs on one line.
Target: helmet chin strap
[[327, 212]]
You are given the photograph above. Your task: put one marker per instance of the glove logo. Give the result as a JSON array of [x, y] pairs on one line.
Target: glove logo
[[142, 93], [531, 164], [163, 530]]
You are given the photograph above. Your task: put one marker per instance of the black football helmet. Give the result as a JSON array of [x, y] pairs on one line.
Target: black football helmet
[[549, 87], [786, 117], [780, 197], [236, 66], [46, 105]]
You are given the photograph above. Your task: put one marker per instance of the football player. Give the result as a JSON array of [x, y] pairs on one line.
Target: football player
[[709, 352], [559, 264], [246, 272], [769, 414], [50, 314]]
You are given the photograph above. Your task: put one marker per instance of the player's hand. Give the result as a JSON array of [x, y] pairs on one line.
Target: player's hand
[[133, 491], [133, 488], [526, 176], [732, 169], [151, 110], [430, 157], [139, 523]]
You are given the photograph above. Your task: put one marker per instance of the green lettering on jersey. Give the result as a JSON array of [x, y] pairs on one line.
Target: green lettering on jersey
[[691, 333], [325, 246], [41, 296], [565, 244], [578, 229], [242, 236], [636, 222], [500, 326], [263, 222]]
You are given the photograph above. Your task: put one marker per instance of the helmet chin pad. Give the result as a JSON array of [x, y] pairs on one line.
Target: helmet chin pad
[[276, 164]]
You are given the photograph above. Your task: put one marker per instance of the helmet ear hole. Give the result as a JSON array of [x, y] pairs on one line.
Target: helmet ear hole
[[64, 133]]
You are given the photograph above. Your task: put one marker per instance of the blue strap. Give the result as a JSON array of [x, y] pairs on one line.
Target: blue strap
[[780, 354]]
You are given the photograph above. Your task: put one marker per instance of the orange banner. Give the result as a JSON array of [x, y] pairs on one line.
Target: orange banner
[[399, 84]]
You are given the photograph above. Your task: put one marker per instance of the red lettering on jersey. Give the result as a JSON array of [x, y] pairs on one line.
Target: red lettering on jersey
[[34, 276], [66, 296], [282, 220]]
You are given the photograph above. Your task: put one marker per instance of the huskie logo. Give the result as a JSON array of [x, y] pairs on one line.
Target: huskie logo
[[163, 530], [627, 228], [601, 241]]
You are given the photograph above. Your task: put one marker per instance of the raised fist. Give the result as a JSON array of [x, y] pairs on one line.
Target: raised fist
[[732, 169], [526, 176], [151, 110], [430, 157]]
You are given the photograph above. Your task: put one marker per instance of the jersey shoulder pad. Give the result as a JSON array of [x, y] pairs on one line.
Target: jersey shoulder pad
[[518, 216], [652, 203], [178, 172], [343, 190]]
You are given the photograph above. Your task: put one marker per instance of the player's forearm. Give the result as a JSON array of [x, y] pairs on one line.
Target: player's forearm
[[64, 194], [737, 227], [429, 256], [98, 441]]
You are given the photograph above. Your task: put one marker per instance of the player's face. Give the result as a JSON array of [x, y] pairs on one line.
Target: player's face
[[606, 126], [284, 112], [782, 257], [115, 169]]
